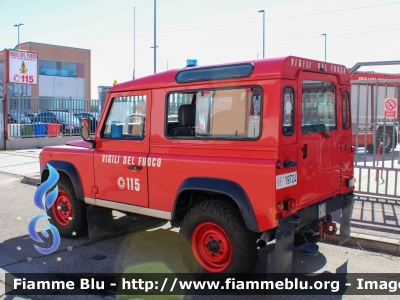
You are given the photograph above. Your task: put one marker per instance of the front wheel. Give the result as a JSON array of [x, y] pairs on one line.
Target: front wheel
[[68, 213], [214, 239]]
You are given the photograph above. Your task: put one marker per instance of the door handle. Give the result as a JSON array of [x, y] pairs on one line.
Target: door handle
[[304, 151], [136, 168]]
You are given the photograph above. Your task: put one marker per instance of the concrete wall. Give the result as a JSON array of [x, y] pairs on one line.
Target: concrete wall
[[17, 144], [55, 86]]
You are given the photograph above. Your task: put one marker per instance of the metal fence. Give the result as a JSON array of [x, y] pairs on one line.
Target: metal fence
[[376, 138], [48, 117]]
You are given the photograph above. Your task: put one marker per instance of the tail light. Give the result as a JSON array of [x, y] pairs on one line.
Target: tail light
[[289, 204], [279, 164], [280, 206]]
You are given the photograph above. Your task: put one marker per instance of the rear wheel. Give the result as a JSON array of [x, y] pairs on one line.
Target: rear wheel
[[384, 137], [214, 239], [68, 213]]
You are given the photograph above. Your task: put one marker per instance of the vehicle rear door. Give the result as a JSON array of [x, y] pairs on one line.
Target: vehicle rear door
[[318, 137], [122, 148]]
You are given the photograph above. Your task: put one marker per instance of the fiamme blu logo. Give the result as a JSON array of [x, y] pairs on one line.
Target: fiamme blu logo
[[45, 205]]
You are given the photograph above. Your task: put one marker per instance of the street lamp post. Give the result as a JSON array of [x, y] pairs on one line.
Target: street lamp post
[[263, 11], [134, 42], [324, 34], [155, 43], [17, 25]]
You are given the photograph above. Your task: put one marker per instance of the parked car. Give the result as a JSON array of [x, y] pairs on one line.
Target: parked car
[[71, 124], [18, 118], [30, 116], [91, 118], [45, 117]]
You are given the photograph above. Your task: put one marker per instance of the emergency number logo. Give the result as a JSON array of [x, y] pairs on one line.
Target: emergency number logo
[[121, 183]]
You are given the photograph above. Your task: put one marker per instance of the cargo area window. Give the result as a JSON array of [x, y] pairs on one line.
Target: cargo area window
[[318, 106], [215, 73], [232, 113], [126, 118], [346, 115], [288, 111]]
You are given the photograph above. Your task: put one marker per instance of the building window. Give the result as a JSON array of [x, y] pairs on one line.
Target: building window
[[57, 68]]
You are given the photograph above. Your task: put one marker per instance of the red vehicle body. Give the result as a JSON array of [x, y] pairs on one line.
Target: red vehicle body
[[234, 154]]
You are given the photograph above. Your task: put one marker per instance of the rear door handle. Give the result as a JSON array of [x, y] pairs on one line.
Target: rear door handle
[[304, 151], [135, 168]]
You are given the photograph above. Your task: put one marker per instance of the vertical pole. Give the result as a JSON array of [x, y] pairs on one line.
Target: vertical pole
[[18, 36], [263, 34], [324, 34], [155, 36], [134, 42], [263, 11]]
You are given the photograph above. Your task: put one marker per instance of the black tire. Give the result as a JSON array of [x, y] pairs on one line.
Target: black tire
[[216, 217], [68, 213], [389, 145]]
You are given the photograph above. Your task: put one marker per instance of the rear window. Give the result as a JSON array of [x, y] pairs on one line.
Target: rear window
[[346, 116], [318, 106]]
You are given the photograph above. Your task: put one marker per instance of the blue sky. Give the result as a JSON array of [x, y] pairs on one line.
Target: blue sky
[[213, 31]]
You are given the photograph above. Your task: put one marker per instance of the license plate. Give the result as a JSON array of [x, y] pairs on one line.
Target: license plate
[[286, 180]]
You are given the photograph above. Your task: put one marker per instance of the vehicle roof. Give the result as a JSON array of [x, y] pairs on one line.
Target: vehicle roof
[[281, 67]]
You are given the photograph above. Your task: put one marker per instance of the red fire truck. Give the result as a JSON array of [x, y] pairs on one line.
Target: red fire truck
[[369, 93], [237, 155]]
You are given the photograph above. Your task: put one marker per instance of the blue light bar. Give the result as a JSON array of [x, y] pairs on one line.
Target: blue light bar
[[191, 63]]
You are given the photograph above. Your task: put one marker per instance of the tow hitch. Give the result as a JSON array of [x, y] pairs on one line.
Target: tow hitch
[[327, 227]]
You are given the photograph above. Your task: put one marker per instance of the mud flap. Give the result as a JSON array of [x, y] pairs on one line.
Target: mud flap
[[280, 260], [345, 221], [100, 221]]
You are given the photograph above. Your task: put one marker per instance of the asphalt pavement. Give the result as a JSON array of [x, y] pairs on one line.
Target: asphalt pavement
[[375, 222]]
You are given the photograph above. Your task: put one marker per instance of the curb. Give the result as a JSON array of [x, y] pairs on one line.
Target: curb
[[32, 179], [368, 242]]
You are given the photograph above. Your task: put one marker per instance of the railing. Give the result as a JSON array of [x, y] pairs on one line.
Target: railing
[[49, 117]]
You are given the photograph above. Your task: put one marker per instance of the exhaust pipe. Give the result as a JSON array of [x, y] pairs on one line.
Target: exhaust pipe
[[264, 238]]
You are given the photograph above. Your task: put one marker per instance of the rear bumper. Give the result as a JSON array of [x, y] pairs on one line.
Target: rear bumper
[[280, 260], [310, 214]]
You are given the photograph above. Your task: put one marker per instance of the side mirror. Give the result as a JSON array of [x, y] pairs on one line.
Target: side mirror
[[85, 129], [85, 133]]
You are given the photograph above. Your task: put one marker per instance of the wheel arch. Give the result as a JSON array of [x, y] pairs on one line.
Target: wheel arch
[[67, 169], [228, 188]]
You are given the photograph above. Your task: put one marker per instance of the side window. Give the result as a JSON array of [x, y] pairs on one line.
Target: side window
[[288, 111], [175, 100], [346, 115], [126, 119], [232, 113], [318, 106]]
